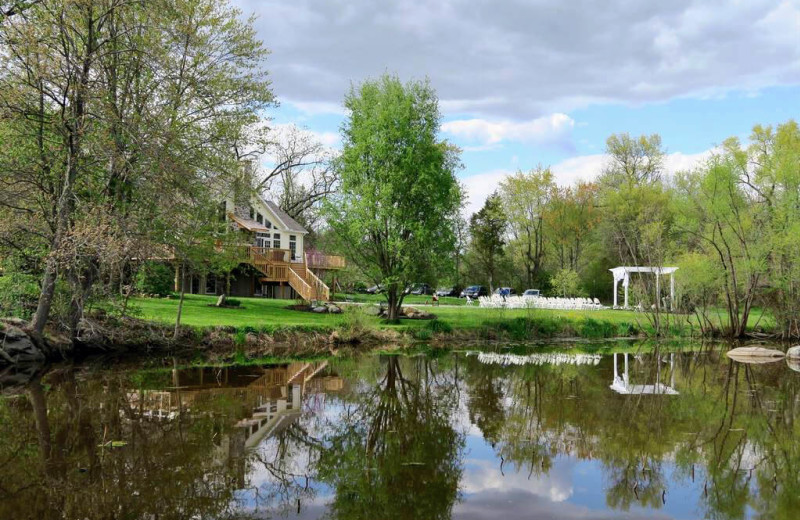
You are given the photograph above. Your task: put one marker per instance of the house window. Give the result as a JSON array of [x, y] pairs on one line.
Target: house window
[[252, 212], [262, 239], [293, 246], [259, 218], [276, 241], [211, 284], [222, 211], [268, 224]]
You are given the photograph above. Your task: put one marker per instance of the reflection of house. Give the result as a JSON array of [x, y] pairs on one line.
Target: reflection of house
[[622, 385]]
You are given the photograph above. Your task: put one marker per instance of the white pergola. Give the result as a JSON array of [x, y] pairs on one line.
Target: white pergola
[[623, 273], [622, 384]]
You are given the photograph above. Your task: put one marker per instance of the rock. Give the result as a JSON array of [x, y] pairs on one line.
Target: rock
[[793, 363], [18, 347], [756, 355], [334, 309], [221, 300], [793, 352], [372, 310], [319, 310]]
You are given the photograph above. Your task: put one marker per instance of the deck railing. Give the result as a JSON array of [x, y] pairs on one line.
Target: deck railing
[[321, 290], [300, 285], [316, 260]]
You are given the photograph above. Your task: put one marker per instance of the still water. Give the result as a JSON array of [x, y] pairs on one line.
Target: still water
[[514, 433]]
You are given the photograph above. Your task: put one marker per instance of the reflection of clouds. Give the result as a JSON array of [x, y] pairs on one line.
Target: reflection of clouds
[[481, 475], [518, 504]]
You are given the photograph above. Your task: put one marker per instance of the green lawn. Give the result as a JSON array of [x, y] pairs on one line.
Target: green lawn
[[267, 315], [410, 299]]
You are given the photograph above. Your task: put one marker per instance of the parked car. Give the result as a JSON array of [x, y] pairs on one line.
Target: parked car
[[531, 293], [473, 291], [454, 291], [419, 289], [504, 291], [376, 289]]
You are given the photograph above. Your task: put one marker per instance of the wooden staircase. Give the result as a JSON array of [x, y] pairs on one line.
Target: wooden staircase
[[276, 267]]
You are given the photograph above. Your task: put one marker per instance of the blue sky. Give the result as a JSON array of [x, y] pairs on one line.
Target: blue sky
[[523, 83]]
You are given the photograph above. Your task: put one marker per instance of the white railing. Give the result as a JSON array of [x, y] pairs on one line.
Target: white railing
[[521, 302]]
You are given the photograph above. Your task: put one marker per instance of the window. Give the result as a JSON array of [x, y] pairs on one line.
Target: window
[[259, 218], [222, 211], [262, 239], [293, 246], [252, 212], [276, 241], [268, 224]]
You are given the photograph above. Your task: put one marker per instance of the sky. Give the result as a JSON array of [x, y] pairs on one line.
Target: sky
[[524, 83]]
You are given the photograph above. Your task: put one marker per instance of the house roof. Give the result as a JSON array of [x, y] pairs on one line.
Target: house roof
[[287, 222], [248, 224]]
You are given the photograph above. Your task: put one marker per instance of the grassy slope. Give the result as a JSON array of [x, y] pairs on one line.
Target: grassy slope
[[266, 314]]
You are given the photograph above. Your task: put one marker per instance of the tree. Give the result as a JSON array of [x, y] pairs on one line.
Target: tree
[[566, 283], [487, 228], [302, 173], [115, 109], [570, 216], [525, 197], [632, 195], [399, 196]]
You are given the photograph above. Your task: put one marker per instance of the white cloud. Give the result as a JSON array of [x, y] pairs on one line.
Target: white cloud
[[566, 173], [553, 129], [521, 60]]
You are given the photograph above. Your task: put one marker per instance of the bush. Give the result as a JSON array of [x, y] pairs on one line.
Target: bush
[[155, 278], [231, 302], [19, 295], [438, 325]]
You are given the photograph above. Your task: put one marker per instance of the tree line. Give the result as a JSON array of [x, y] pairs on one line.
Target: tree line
[[731, 225]]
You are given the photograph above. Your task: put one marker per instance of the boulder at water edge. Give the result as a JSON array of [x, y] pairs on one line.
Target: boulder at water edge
[[755, 355], [793, 352]]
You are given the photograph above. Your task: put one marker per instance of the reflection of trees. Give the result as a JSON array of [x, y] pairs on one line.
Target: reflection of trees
[[54, 467], [485, 390], [393, 452], [729, 419]]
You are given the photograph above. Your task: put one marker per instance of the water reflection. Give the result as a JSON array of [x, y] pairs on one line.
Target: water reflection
[[675, 435]]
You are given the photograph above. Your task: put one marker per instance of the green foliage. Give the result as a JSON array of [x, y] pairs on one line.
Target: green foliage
[[438, 325], [487, 228], [566, 283], [19, 294], [233, 302], [155, 278], [399, 195]]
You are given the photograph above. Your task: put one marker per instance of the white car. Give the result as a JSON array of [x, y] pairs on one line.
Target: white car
[[531, 293]]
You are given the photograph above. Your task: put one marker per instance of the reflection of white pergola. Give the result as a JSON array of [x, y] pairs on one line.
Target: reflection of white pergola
[[622, 385], [623, 273]]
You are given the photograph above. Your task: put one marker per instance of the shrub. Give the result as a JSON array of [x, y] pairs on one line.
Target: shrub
[[156, 278], [19, 295], [231, 302], [439, 326]]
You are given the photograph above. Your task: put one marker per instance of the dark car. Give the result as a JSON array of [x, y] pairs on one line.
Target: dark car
[[473, 291], [454, 291], [420, 289], [504, 291], [375, 289]]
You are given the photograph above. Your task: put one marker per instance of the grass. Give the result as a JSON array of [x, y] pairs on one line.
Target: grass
[[410, 299], [267, 315]]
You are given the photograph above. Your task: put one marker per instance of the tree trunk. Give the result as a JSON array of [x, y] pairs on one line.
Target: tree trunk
[[180, 304]]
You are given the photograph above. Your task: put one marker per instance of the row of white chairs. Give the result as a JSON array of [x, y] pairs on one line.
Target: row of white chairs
[[545, 358], [519, 302]]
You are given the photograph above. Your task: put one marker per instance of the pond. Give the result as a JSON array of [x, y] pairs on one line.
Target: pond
[[511, 433]]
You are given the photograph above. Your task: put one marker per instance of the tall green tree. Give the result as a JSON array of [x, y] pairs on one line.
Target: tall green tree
[[395, 214], [525, 197], [120, 112], [488, 229]]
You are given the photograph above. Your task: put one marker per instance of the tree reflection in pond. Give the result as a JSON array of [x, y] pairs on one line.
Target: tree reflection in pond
[[405, 437]]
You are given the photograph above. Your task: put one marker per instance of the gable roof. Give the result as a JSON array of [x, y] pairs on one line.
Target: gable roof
[[287, 222]]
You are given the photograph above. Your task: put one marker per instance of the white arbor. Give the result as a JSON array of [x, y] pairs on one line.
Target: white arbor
[[623, 273]]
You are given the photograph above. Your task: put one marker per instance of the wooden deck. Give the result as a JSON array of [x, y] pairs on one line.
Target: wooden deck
[[276, 266]]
